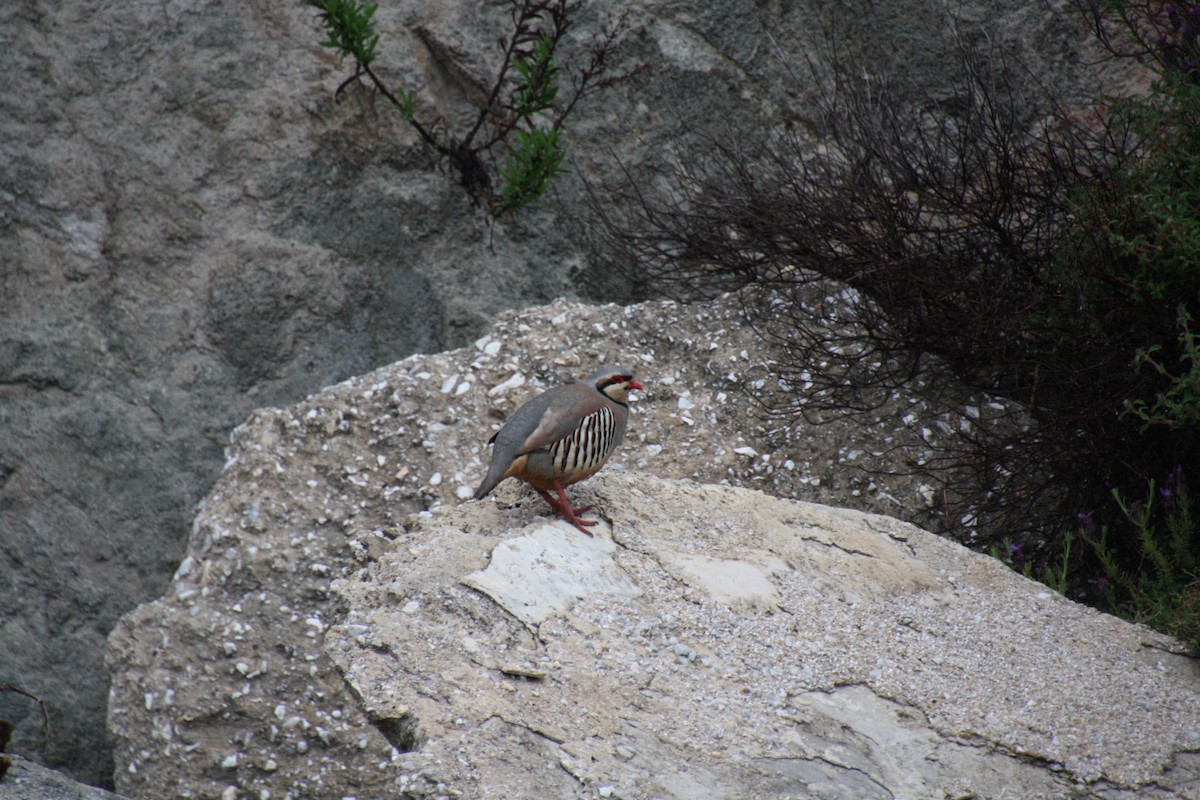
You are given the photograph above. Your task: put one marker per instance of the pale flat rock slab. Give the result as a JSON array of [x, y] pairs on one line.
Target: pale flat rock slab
[[712, 642], [549, 569], [731, 581]]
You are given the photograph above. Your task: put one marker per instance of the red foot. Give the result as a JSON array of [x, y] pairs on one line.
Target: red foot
[[562, 507]]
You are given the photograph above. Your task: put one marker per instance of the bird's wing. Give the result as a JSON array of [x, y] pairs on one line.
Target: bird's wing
[[550, 417], [538, 424]]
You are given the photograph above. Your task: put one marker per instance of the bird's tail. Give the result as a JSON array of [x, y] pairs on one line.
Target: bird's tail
[[495, 474]]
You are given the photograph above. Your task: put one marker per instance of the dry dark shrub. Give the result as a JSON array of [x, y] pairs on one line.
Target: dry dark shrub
[[952, 227]]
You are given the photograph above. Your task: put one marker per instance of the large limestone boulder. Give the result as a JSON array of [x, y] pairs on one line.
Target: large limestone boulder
[[794, 645], [711, 642], [237, 639]]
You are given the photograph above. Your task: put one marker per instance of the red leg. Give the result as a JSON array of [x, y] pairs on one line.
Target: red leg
[[561, 506], [572, 514], [555, 506]]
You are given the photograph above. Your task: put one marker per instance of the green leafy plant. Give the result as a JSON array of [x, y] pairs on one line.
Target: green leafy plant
[[524, 113], [1054, 569], [350, 29], [531, 167], [1157, 581], [1177, 406]]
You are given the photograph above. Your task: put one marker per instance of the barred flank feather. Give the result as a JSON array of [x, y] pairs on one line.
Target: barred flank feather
[[587, 447]]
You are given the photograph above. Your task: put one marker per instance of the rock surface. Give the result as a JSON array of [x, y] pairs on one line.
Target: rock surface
[[26, 780], [190, 228], [230, 683], [712, 642]]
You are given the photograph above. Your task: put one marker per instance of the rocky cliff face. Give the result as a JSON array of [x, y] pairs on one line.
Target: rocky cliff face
[[328, 635], [190, 228]]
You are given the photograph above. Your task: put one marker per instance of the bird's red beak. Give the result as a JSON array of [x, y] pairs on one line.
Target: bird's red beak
[[632, 385]]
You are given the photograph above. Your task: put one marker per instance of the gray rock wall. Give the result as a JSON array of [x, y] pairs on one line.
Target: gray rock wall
[[190, 228]]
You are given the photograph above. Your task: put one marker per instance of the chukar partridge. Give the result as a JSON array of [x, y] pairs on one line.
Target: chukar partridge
[[562, 436]]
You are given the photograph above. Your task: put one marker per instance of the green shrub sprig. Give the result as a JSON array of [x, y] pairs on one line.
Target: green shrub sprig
[[1162, 587], [525, 111], [1178, 405]]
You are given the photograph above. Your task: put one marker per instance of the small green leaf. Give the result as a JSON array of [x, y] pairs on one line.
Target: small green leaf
[[531, 167], [348, 28]]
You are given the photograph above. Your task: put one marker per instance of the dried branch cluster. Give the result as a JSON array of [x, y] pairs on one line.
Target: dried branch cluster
[[974, 243]]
